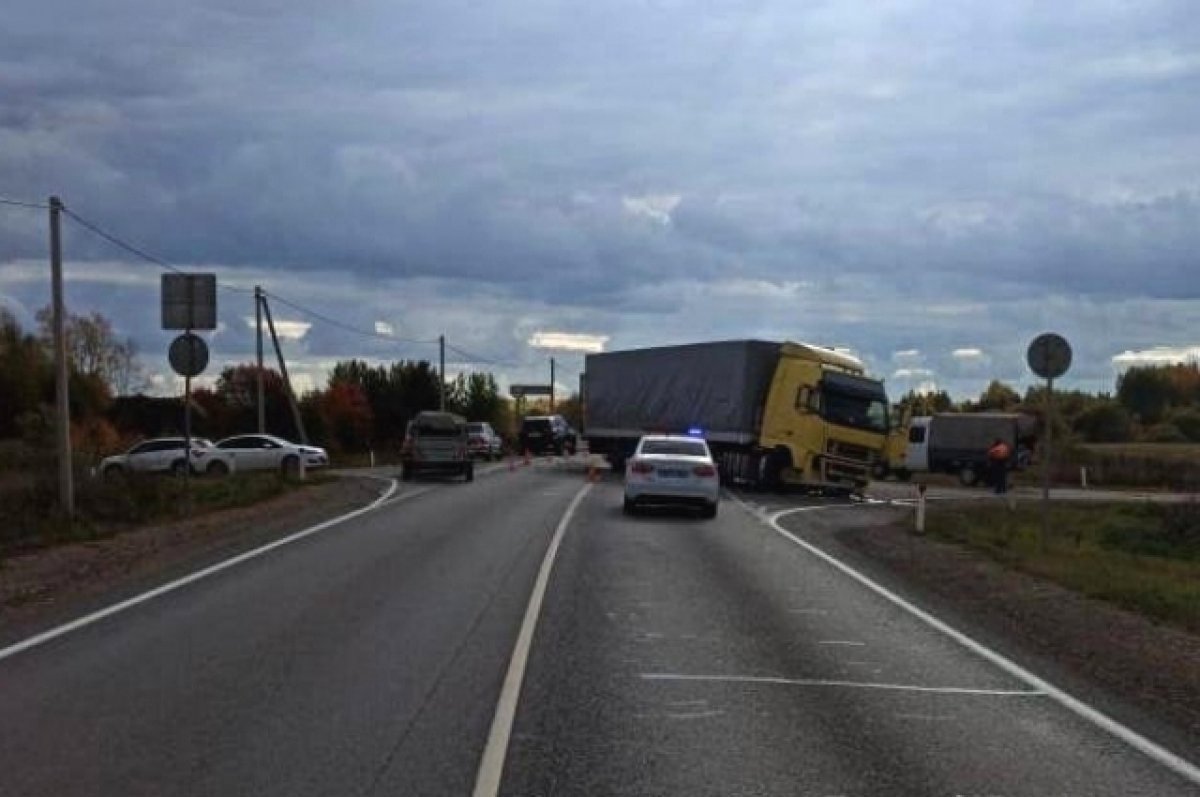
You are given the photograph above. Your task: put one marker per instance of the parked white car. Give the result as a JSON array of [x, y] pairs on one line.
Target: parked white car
[[166, 454], [673, 471], [268, 452]]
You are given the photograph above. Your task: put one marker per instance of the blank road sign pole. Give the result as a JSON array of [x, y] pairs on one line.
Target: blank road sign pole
[[62, 408], [262, 410]]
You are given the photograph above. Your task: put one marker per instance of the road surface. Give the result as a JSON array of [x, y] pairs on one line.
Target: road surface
[[672, 656]]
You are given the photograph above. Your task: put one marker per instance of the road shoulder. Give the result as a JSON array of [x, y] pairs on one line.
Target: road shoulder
[[49, 586], [1142, 673]]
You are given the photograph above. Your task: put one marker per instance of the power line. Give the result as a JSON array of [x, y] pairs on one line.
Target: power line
[[481, 360], [134, 250], [117, 242], [22, 204], [344, 326]]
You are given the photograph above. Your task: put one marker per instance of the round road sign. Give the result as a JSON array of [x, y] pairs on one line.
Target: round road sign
[[1049, 355], [188, 355]]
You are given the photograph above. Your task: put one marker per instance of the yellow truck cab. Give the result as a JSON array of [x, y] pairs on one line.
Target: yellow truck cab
[[825, 422]]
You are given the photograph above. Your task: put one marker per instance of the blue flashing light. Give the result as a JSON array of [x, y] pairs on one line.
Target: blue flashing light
[[695, 431]]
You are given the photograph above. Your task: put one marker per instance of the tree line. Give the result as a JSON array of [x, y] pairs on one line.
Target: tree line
[[1152, 404]]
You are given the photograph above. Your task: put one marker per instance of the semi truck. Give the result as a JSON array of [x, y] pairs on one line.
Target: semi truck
[[958, 442], [771, 412]]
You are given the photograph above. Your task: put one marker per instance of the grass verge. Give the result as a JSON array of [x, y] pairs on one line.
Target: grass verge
[[105, 507], [1142, 557]]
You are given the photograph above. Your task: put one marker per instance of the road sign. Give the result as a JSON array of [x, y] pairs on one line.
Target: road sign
[[1049, 355], [189, 301], [519, 391], [188, 355]]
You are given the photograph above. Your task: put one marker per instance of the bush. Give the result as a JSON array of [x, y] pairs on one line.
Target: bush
[[1165, 433], [1166, 530], [1188, 423]]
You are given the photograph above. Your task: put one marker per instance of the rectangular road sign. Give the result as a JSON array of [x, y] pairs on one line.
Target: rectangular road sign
[[517, 391], [189, 301]]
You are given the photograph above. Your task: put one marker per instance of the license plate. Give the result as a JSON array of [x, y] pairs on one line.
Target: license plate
[[673, 474]]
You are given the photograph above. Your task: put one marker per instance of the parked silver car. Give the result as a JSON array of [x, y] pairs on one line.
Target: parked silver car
[[483, 442]]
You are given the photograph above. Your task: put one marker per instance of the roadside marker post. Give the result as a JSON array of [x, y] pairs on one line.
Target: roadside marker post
[[1048, 356], [921, 508]]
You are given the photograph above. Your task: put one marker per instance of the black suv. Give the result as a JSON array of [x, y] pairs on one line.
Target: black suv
[[541, 434]]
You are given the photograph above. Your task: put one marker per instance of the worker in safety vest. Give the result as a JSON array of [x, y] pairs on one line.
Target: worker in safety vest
[[998, 456]]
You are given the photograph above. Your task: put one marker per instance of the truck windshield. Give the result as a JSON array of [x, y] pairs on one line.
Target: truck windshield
[[853, 401]]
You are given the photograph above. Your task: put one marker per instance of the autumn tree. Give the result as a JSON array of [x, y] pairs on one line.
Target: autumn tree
[[95, 351], [346, 416]]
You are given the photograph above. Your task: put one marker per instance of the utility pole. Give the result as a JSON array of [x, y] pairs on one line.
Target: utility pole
[[442, 370], [62, 408], [551, 385], [287, 382], [262, 408]]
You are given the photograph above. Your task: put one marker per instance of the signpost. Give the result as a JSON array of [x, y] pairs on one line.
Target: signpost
[[519, 392], [1049, 356], [189, 301]]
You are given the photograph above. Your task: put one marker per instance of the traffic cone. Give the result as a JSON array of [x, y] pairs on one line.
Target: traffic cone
[[591, 472]]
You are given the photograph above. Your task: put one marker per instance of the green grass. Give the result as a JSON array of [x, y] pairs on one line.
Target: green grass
[[1162, 451], [105, 507], [1142, 557]]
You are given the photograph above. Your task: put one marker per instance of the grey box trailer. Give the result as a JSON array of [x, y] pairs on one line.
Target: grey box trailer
[[717, 388]]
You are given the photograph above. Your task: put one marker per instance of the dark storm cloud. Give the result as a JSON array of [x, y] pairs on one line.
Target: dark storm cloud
[[570, 153]]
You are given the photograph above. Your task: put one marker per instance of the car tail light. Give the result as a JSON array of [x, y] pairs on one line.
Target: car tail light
[[705, 471], [642, 467]]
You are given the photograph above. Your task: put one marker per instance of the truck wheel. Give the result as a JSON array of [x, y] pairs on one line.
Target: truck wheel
[[772, 468], [903, 475], [968, 476], [879, 471]]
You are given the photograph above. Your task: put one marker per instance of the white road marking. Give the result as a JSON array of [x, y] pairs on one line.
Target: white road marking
[[191, 578], [819, 682], [696, 715], [1175, 763], [491, 764], [845, 642]]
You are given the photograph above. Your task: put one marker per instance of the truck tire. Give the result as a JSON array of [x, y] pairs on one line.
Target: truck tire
[[903, 475], [773, 466], [879, 471], [968, 476]]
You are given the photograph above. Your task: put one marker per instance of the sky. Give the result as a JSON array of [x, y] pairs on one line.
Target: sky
[[929, 184]]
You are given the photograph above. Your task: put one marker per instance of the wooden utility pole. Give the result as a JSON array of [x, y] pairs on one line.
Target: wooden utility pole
[[552, 385], [258, 319], [62, 407], [287, 382], [442, 370]]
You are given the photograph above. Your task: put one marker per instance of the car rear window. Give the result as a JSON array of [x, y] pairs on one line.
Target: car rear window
[[475, 428], [683, 448]]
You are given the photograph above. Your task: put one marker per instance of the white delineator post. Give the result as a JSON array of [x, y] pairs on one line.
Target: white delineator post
[[920, 509]]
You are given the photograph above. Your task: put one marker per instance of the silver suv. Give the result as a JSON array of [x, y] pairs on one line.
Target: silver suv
[[436, 442]]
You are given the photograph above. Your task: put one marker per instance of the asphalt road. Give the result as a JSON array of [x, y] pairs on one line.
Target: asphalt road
[[673, 656]]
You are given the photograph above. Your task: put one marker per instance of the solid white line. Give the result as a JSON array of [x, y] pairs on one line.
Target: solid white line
[[171, 586], [753, 679], [1176, 764], [491, 765]]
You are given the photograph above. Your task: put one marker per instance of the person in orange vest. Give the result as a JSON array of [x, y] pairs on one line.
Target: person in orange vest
[[998, 456]]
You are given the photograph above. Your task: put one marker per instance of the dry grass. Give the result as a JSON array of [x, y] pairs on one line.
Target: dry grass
[[1143, 557]]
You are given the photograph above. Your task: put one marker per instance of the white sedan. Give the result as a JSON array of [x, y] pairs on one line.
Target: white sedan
[[672, 470], [268, 452], [163, 454]]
